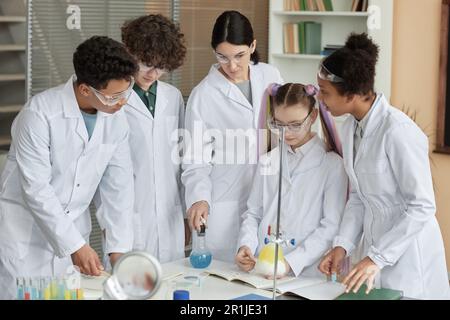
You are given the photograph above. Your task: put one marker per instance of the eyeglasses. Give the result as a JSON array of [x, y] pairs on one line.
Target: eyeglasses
[[237, 58], [114, 99], [275, 126], [146, 68], [326, 74]]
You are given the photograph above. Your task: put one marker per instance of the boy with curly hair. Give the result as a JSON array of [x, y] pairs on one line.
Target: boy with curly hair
[[155, 113]]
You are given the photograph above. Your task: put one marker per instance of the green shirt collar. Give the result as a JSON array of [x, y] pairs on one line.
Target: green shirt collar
[[141, 91]]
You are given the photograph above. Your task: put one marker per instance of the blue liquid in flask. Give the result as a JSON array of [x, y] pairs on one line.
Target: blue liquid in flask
[[201, 260]]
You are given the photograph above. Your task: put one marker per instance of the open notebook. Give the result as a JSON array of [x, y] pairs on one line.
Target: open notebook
[[231, 272], [306, 287]]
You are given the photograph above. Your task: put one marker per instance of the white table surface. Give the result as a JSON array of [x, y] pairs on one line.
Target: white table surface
[[211, 288]]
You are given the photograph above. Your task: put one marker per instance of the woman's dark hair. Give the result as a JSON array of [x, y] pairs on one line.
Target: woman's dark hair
[[155, 40], [234, 28], [100, 59], [355, 63]]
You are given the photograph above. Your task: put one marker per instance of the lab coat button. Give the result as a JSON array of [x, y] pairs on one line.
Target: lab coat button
[[78, 185], [67, 212]]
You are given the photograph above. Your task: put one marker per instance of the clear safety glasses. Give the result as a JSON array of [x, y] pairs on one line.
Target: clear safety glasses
[[114, 99], [326, 74], [146, 69], [276, 126], [237, 58]]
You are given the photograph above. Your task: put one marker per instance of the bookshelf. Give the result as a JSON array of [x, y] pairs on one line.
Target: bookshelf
[[336, 26], [12, 65]]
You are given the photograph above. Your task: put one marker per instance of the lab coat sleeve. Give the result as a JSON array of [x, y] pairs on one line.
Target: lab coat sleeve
[[319, 241], [32, 141], [251, 219], [407, 151], [116, 195], [351, 227], [197, 160]]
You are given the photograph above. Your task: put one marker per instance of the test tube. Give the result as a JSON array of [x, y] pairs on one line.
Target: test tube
[[61, 288], [27, 289], [34, 284], [80, 294], [54, 288], [47, 288], [67, 295], [20, 288]]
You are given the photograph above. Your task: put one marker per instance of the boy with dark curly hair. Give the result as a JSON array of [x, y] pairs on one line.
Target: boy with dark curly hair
[[67, 143], [155, 113]]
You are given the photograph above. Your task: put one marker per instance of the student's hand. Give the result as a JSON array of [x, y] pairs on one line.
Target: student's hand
[[332, 261], [282, 275], [198, 214], [364, 271], [245, 259], [187, 233], [113, 257], [87, 260]]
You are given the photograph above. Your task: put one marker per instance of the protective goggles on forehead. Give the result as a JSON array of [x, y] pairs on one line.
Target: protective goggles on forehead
[[113, 99], [326, 74]]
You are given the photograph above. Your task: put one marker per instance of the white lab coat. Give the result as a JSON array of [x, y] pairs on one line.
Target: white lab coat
[[50, 177], [217, 104], [159, 200], [312, 203], [392, 202]]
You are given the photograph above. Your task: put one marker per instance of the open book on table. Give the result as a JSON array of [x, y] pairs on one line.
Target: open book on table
[[305, 287]]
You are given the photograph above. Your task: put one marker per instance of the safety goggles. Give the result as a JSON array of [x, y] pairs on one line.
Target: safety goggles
[[326, 74], [114, 99], [237, 58], [275, 126], [146, 69]]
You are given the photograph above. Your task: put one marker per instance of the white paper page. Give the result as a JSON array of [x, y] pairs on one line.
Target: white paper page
[[324, 291], [300, 282], [230, 272]]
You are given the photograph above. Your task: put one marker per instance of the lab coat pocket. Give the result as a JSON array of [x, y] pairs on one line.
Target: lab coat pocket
[[376, 166], [16, 224], [104, 155], [375, 178]]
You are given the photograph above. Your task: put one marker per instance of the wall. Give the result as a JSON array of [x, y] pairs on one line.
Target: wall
[[415, 74]]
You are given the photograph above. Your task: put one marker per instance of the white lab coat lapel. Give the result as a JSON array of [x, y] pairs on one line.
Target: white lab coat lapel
[[380, 107], [95, 140], [312, 159], [256, 81], [161, 101], [72, 110], [136, 103], [229, 89], [347, 146]]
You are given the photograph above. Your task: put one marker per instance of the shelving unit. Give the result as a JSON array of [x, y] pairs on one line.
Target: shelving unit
[[336, 26], [12, 65]]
